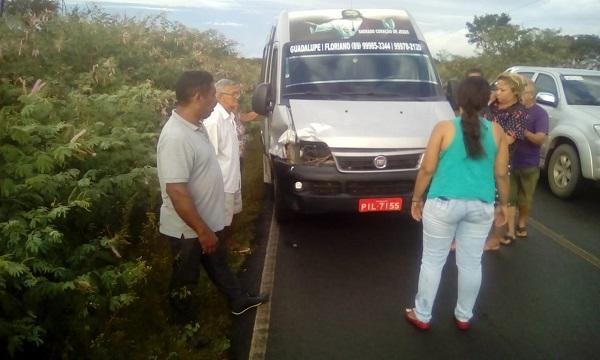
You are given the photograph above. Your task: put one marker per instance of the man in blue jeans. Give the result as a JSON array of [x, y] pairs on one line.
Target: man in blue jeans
[[192, 215]]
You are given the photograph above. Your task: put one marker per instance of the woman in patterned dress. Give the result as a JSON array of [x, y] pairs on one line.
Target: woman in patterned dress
[[511, 115]]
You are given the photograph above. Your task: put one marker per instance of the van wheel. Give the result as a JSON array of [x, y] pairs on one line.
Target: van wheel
[[564, 172], [281, 210]]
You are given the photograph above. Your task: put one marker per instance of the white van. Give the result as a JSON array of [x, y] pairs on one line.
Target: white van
[[350, 98]]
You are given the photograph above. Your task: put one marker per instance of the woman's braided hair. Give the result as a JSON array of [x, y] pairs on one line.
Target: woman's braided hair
[[473, 95]]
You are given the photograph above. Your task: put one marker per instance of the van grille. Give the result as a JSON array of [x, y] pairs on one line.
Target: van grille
[[323, 187], [369, 188], [365, 163]]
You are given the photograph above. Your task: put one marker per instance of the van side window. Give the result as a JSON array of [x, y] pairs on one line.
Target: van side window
[[263, 68], [273, 77], [545, 83]]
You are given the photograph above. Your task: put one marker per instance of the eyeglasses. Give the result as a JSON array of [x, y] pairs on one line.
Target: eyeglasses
[[235, 95]]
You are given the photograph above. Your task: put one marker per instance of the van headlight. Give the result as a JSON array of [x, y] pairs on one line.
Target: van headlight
[[309, 153]]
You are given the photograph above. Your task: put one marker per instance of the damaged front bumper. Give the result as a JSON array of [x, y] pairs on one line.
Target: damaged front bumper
[[323, 189]]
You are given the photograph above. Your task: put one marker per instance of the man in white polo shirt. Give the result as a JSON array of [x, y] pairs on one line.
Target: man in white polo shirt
[[192, 215], [222, 132]]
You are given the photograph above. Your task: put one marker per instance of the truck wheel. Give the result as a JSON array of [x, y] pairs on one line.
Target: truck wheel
[[282, 212], [564, 172]]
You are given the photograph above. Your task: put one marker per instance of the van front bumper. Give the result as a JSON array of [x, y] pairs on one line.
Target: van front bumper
[[324, 189]]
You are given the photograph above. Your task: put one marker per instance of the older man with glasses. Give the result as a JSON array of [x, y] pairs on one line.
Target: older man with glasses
[[222, 132]]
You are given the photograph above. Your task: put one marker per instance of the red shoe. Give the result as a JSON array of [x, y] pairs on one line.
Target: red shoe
[[413, 320], [462, 325]]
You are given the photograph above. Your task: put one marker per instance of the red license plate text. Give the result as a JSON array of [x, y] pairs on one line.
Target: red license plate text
[[381, 204]]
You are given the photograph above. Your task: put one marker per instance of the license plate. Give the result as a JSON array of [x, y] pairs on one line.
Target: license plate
[[380, 204]]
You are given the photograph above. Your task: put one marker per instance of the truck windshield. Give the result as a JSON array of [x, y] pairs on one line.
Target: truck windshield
[[404, 75], [581, 90]]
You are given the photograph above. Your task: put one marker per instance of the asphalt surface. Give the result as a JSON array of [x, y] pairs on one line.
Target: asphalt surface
[[341, 292]]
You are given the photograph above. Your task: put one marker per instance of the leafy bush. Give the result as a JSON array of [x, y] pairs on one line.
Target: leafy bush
[[81, 263]]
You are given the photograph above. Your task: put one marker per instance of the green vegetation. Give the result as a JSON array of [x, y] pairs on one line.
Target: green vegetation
[[83, 271], [501, 44]]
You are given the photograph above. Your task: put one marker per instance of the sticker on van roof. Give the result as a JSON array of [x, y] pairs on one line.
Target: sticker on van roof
[[350, 24]]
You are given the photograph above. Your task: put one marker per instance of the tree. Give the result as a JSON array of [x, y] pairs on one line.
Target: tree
[[492, 33], [502, 44], [507, 44], [541, 47], [20, 7], [584, 50]]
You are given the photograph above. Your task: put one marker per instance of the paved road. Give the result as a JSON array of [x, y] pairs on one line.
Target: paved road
[[341, 293]]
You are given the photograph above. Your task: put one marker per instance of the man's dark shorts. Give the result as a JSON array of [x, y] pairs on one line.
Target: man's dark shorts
[[522, 186]]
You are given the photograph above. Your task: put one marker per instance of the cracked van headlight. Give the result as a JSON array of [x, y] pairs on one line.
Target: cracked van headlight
[[309, 153]]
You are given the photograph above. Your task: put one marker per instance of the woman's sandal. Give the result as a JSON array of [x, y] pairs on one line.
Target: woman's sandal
[[491, 246], [462, 325], [507, 240], [521, 232], [411, 317]]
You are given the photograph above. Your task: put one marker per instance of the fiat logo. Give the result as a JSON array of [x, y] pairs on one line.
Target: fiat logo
[[380, 162]]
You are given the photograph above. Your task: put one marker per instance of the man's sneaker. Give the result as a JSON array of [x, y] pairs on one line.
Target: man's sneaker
[[247, 303]]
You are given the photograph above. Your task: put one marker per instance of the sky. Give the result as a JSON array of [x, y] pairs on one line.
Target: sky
[[442, 22]]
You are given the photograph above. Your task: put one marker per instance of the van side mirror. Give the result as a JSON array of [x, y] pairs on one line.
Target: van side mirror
[[546, 99], [261, 99], [451, 91]]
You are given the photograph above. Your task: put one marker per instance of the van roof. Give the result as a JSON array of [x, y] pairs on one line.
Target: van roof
[[335, 13], [346, 24]]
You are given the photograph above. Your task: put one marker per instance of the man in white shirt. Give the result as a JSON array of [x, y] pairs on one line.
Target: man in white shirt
[[222, 132], [192, 215]]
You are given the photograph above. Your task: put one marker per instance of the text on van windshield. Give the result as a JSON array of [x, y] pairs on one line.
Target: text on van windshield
[[355, 45]]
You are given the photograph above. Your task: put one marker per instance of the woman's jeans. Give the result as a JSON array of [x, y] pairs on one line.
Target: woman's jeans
[[468, 223]]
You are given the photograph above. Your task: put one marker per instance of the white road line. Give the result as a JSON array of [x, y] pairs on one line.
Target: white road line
[[561, 240], [260, 334]]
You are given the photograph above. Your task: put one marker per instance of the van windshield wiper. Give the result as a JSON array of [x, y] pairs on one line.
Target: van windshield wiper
[[310, 93], [369, 93], [388, 94]]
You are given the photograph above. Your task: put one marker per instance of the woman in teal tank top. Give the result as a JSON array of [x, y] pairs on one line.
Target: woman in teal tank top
[[465, 159]]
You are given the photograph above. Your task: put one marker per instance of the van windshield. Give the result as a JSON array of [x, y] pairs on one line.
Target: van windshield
[[581, 90], [406, 75]]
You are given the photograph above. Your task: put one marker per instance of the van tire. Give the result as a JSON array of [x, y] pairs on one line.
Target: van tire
[[282, 212], [564, 172]]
